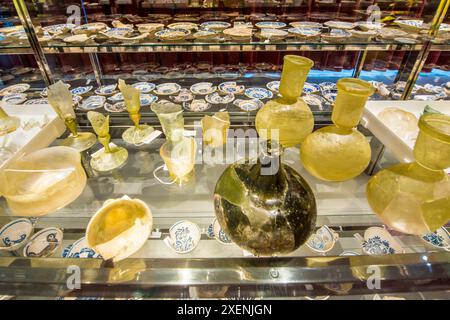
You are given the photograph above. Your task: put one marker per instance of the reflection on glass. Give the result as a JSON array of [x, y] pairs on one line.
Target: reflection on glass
[[415, 197], [60, 99], [179, 158], [8, 124], [134, 135], [339, 152], [110, 156]]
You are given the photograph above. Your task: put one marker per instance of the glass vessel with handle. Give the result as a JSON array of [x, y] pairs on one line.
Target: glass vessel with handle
[[288, 114], [339, 152], [414, 197]]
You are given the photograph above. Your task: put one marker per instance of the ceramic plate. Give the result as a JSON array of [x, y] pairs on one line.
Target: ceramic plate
[[80, 249], [44, 243], [197, 105], [165, 89], [439, 239], [306, 24], [14, 234], [327, 86], [172, 34], [231, 87], [81, 90], [59, 28], [16, 98], [106, 90], [184, 95], [215, 25], [147, 99], [305, 32], [92, 103], [219, 98], [329, 95], [340, 24], [17, 88], [116, 97], [272, 34], [368, 25], [309, 88], [270, 24], [36, 101], [116, 107], [258, 93], [203, 88], [144, 87], [313, 100], [117, 32], [248, 105], [183, 25], [273, 86]]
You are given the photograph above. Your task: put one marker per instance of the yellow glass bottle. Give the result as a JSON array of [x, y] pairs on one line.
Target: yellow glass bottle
[[414, 197], [288, 118], [339, 152]]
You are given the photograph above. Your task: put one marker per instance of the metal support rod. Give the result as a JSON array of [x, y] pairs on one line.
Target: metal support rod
[[39, 55], [360, 63], [377, 153], [96, 68], [423, 55]]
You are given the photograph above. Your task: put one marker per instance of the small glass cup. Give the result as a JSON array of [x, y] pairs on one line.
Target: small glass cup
[[179, 158], [215, 129]]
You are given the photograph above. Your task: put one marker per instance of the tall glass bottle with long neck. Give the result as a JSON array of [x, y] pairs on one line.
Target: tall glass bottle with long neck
[[415, 197], [288, 115], [339, 152]]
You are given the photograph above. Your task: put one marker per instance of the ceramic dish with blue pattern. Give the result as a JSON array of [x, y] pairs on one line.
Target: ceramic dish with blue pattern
[[15, 234]]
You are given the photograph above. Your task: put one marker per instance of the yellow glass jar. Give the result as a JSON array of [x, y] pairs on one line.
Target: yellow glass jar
[[414, 197], [288, 119], [339, 152]]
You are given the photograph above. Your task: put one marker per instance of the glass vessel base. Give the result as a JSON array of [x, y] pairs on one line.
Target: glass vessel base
[[82, 142], [137, 135], [107, 161]]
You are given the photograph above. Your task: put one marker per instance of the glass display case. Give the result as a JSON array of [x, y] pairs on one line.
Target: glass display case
[[154, 223]]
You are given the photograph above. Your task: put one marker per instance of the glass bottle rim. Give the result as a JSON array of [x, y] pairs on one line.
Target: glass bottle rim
[[366, 89], [299, 61], [428, 123]]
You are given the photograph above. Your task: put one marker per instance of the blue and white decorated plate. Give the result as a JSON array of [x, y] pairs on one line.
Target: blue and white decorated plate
[[44, 243], [258, 93], [116, 107], [219, 98], [80, 249], [273, 86], [147, 99], [439, 239], [309, 88], [16, 98], [144, 87], [248, 105], [116, 97], [165, 89], [339, 24], [231, 87], [106, 90], [59, 28], [327, 86], [304, 32], [92, 103], [203, 88], [270, 24], [14, 234], [81, 90], [215, 25]]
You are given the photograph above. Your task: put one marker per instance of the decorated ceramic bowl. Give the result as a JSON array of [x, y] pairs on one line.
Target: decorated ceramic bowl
[[411, 25], [304, 32], [197, 105], [116, 97], [270, 25], [336, 35], [89, 28], [184, 95], [323, 240], [248, 105], [340, 25], [378, 241], [184, 236], [215, 25], [438, 239], [309, 88], [203, 88], [271, 34], [219, 98], [92, 103], [172, 34], [147, 99], [15, 234], [306, 24], [238, 33], [44, 243], [183, 25], [258, 93], [80, 249], [106, 90], [144, 87], [219, 234], [59, 28], [81, 90], [273, 85], [77, 38], [116, 107], [369, 25], [231, 87], [16, 88], [208, 34], [16, 98], [168, 88]]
